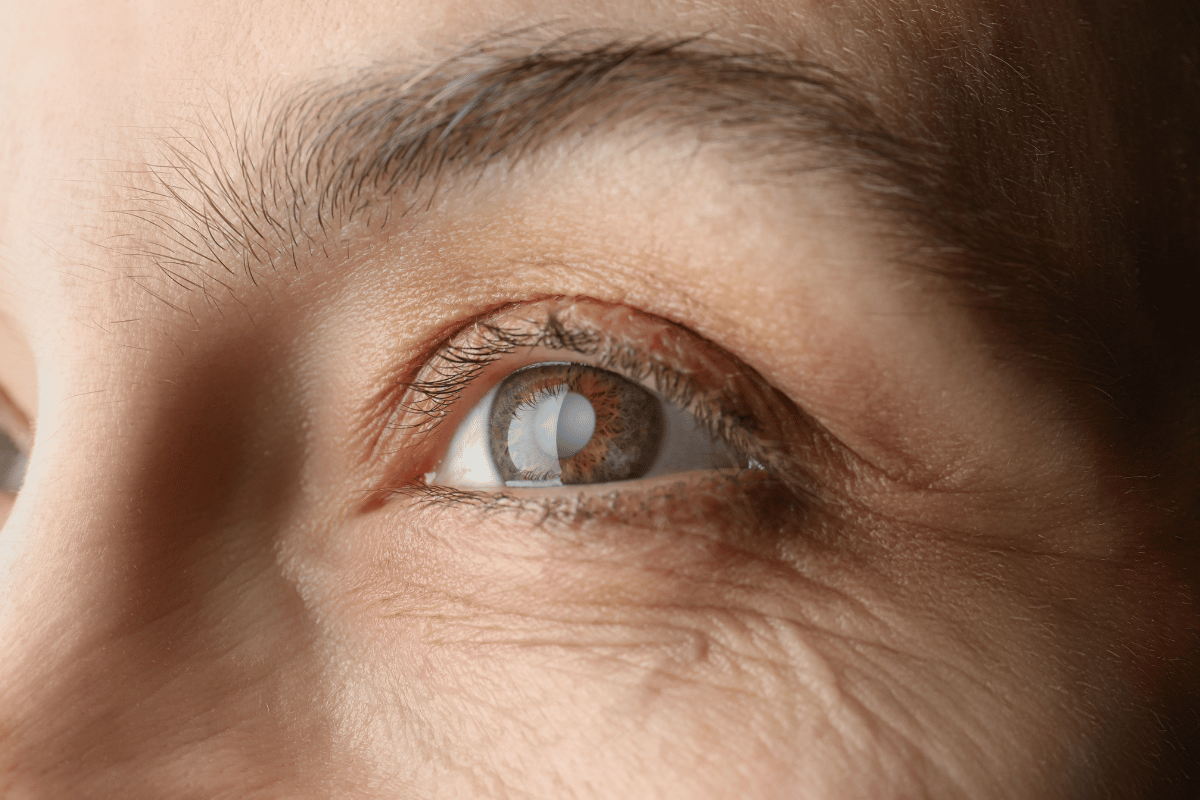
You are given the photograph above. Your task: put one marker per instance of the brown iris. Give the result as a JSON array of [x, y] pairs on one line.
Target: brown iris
[[575, 424]]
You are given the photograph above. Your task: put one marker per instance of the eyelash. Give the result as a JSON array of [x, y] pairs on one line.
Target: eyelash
[[461, 365], [420, 405]]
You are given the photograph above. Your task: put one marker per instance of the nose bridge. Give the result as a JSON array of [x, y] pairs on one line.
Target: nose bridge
[[149, 616]]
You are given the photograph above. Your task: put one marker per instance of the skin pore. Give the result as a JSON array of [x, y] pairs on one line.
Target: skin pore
[[892, 249]]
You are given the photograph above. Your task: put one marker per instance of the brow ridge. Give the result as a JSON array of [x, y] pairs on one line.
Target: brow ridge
[[325, 153], [315, 164]]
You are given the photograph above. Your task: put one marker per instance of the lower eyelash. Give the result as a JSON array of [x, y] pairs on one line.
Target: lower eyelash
[[744, 504]]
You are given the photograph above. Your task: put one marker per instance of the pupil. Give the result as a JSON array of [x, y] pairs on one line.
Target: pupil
[[563, 424], [576, 424]]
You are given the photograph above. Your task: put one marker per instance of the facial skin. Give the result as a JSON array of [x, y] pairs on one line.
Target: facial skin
[[965, 571]]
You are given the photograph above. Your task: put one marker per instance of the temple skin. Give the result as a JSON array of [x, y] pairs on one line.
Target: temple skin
[[213, 585]]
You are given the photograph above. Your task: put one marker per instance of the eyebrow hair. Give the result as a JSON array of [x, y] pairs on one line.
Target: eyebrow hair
[[239, 195], [236, 196]]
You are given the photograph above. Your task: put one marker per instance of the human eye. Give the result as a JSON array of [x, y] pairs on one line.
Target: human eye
[[576, 398], [14, 446], [14, 453], [13, 462], [561, 423]]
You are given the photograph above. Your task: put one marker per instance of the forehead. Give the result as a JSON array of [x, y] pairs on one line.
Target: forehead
[[113, 59], [86, 82], [984, 85]]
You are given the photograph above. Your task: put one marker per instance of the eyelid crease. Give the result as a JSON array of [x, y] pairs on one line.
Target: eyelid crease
[[729, 400]]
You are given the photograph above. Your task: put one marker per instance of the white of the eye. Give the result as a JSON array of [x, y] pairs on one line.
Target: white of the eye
[[468, 461], [687, 445]]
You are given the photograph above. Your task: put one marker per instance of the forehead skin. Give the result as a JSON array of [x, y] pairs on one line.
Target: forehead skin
[[183, 616]]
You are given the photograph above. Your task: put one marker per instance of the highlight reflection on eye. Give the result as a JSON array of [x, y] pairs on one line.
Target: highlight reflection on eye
[[561, 423]]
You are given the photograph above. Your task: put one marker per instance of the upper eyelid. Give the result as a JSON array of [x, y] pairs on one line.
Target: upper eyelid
[[432, 395], [436, 382]]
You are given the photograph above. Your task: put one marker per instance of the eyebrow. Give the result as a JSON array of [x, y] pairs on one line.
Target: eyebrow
[[239, 195], [236, 196]]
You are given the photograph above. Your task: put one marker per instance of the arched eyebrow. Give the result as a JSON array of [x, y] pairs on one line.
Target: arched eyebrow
[[309, 163], [239, 195]]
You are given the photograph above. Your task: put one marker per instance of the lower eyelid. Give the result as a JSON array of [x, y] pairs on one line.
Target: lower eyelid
[[749, 507]]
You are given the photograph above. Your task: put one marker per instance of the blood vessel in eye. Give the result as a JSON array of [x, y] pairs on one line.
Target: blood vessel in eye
[[573, 424]]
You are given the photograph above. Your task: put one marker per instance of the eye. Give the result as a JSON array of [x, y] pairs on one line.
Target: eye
[[14, 455], [576, 392], [14, 446], [13, 463], [563, 423]]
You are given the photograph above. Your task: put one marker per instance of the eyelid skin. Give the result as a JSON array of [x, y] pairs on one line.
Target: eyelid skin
[[413, 423]]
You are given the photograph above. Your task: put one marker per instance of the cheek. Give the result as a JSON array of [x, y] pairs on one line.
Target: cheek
[[676, 660], [195, 669]]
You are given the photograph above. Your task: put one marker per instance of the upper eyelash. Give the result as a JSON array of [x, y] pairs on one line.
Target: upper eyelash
[[456, 366]]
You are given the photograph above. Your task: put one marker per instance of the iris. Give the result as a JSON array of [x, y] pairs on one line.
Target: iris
[[573, 424]]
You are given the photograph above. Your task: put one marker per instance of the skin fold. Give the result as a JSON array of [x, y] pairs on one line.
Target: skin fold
[[924, 259]]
